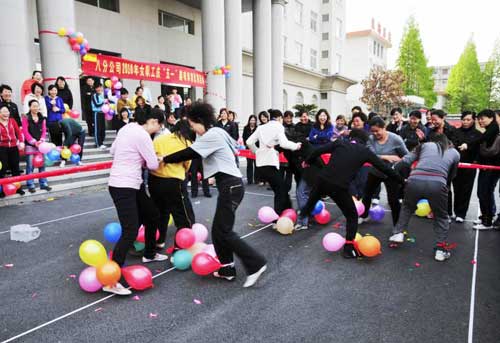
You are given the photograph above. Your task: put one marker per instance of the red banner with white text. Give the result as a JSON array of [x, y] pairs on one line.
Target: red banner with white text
[[108, 66]]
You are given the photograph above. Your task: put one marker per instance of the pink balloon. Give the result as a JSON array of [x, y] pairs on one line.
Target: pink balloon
[[138, 277], [105, 108], [290, 213], [323, 217], [360, 207], [74, 114], [210, 249], [45, 147], [75, 47], [333, 241], [38, 161], [141, 235], [267, 215], [108, 116], [185, 238], [118, 85], [114, 79], [75, 148], [200, 232], [204, 264], [88, 280]]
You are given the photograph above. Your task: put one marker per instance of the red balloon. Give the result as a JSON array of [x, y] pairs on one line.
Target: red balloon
[[290, 213], [38, 161], [204, 264], [72, 41], [138, 277], [9, 189], [75, 149], [141, 235], [74, 114], [185, 238], [323, 217], [199, 176]]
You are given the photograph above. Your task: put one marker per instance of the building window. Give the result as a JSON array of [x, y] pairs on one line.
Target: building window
[[381, 51], [314, 59], [324, 54], [326, 1], [325, 18], [374, 47], [339, 63], [285, 100], [285, 41], [299, 49], [324, 96], [174, 22], [314, 21], [324, 71], [325, 36], [338, 29], [299, 99], [111, 5], [299, 12], [445, 71], [314, 100]]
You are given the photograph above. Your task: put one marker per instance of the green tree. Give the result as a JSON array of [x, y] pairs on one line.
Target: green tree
[[466, 87], [491, 78], [301, 108], [413, 64]]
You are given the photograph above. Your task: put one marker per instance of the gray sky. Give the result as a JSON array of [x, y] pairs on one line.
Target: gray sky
[[445, 25]]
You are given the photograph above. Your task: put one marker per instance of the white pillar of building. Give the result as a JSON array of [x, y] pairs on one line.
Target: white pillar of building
[[57, 57], [232, 21], [278, 8], [262, 51], [16, 46], [212, 14]]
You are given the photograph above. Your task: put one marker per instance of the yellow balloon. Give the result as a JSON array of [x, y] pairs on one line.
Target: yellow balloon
[[228, 67], [61, 32], [93, 253], [108, 83], [1, 166], [66, 108], [423, 209], [170, 220], [285, 226], [196, 248], [358, 237], [65, 153]]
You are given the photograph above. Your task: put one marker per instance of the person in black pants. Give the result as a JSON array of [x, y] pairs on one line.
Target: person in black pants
[[463, 183], [247, 132], [218, 149], [333, 180], [197, 167], [88, 115]]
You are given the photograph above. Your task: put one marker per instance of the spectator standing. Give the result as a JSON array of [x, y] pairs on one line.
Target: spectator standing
[[36, 94], [36, 76], [229, 126], [146, 92], [397, 122], [322, 131], [303, 127], [161, 103], [413, 133], [88, 114], [99, 124], [340, 129], [142, 110], [6, 99], [55, 110], [34, 132], [176, 102], [248, 130], [64, 92], [122, 119], [124, 102]]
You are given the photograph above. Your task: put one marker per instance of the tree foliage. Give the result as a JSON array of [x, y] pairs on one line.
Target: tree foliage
[[383, 90], [466, 87], [301, 108], [491, 78], [413, 64]]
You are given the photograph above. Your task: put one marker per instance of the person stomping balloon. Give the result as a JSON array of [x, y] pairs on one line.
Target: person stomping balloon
[[131, 149], [437, 166], [217, 149], [333, 180]]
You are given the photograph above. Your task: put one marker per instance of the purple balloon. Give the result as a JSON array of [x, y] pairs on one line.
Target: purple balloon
[[377, 213], [88, 280]]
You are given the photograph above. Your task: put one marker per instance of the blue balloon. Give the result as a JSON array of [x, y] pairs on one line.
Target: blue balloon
[[54, 155], [228, 74], [47, 161], [422, 201], [377, 213], [1, 189], [112, 232], [320, 206], [75, 158], [182, 259]]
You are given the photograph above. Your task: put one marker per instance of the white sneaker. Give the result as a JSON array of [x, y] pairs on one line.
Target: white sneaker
[[449, 220], [477, 221], [482, 227], [299, 227], [80, 163], [459, 219], [397, 238], [62, 164], [117, 289], [160, 245], [252, 279], [442, 255], [453, 216], [375, 201], [103, 147], [363, 220], [157, 258]]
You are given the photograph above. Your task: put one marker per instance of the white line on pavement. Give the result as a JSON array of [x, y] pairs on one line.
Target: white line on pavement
[[473, 290]]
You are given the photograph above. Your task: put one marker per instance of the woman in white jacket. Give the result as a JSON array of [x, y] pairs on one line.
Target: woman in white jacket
[[36, 94], [269, 136]]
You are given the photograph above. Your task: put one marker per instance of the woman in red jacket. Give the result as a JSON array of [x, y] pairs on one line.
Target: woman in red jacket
[[11, 141]]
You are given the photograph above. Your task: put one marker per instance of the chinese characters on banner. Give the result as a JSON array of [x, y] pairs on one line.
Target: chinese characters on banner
[[107, 66]]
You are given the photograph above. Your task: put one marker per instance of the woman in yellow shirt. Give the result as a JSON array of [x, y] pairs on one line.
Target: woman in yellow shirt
[[165, 183]]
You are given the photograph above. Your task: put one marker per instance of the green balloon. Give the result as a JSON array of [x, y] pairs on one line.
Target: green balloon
[[182, 259], [138, 246], [47, 161]]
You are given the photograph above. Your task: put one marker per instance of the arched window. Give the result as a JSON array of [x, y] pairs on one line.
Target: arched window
[[285, 100], [314, 100], [299, 99]]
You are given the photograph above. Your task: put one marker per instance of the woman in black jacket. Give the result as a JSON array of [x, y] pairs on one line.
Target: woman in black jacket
[[64, 92], [229, 126], [247, 132], [142, 110]]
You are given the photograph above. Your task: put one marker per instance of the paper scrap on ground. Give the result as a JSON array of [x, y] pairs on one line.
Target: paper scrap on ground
[[153, 315], [197, 302], [136, 297], [8, 265]]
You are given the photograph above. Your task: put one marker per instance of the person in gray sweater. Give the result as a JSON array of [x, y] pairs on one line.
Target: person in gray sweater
[[437, 163]]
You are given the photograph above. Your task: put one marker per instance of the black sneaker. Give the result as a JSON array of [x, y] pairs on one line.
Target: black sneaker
[[20, 191], [32, 190], [350, 251], [194, 195], [46, 188], [228, 273], [207, 195], [2, 195]]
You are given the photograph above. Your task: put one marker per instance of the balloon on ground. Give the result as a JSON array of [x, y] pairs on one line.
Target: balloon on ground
[[333, 241], [284, 226], [88, 280], [323, 217], [369, 246], [290, 213], [113, 232], [182, 259], [138, 277], [200, 232], [204, 264], [185, 238], [92, 253], [109, 273], [377, 213], [267, 215]]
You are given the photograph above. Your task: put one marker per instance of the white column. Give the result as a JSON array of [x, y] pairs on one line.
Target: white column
[[57, 57], [232, 21], [16, 46], [278, 8], [262, 51], [212, 14]]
